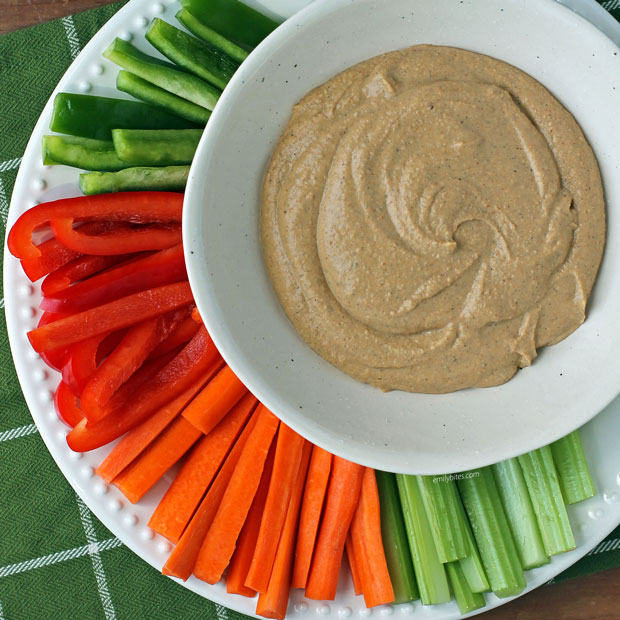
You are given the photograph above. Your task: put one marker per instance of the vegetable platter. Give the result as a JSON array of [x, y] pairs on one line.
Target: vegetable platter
[[37, 182]]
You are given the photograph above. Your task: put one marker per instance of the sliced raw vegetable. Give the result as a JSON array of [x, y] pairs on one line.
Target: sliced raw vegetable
[[185, 370], [170, 446], [156, 147], [198, 471], [138, 208], [183, 332], [215, 401], [208, 35], [343, 492], [394, 535], [55, 358], [76, 270], [139, 88], [83, 153], [353, 565], [368, 544], [232, 19], [542, 483], [429, 571], [181, 561], [66, 405], [164, 179], [163, 267], [136, 441], [221, 539], [492, 532], [274, 601], [162, 74], [244, 551], [191, 54], [123, 361], [572, 467], [110, 317], [289, 448], [52, 255], [465, 599], [472, 565], [81, 363], [521, 518], [441, 501], [91, 116], [311, 510], [118, 241]]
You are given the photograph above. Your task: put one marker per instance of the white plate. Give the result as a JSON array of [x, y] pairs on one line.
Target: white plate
[[592, 520], [567, 384]]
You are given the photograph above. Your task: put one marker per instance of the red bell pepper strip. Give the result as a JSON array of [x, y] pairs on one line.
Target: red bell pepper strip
[[181, 334], [184, 370], [111, 316], [120, 241], [76, 270], [53, 255], [164, 267], [66, 405], [55, 358], [134, 207], [81, 364], [124, 360]]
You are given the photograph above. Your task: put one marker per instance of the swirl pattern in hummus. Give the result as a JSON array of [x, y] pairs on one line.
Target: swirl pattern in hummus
[[430, 218]]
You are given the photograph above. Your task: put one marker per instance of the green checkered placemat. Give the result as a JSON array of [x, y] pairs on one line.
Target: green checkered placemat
[[56, 559]]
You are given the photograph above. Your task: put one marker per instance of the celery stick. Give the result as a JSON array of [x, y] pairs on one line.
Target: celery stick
[[168, 179], [162, 74], [471, 565], [191, 54], [521, 518], [208, 35], [430, 572], [441, 499], [544, 488], [156, 147], [397, 555], [465, 598], [572, 467], [145, 91], [490, 526], [84, 153]]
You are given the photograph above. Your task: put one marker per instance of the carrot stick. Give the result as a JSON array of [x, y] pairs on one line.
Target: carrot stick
[[136, 440], [242, 557], [273, 602], [215, 400], [353, 565], [219, 544], [288, 457], [345, 482], [311, 509], [181, 561], [158, 457], [368, 545], [178, 504]]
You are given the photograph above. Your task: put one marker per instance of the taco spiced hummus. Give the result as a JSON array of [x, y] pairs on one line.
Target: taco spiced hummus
[[431, 217]]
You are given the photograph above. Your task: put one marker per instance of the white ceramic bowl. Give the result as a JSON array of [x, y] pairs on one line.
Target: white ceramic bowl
[[568, 383]]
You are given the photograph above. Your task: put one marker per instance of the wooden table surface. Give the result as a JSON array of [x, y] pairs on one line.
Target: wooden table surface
[[596, 597]]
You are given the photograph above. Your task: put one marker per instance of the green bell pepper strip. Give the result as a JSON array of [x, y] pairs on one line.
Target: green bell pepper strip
[[208, 35], [156, 147], [90, 116], [232, 19], [163, 179], [145, 91], [83, 153], [191, 54], [162, 74]]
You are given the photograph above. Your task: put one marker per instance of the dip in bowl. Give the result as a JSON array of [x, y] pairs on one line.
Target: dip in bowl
[[406, 432]]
